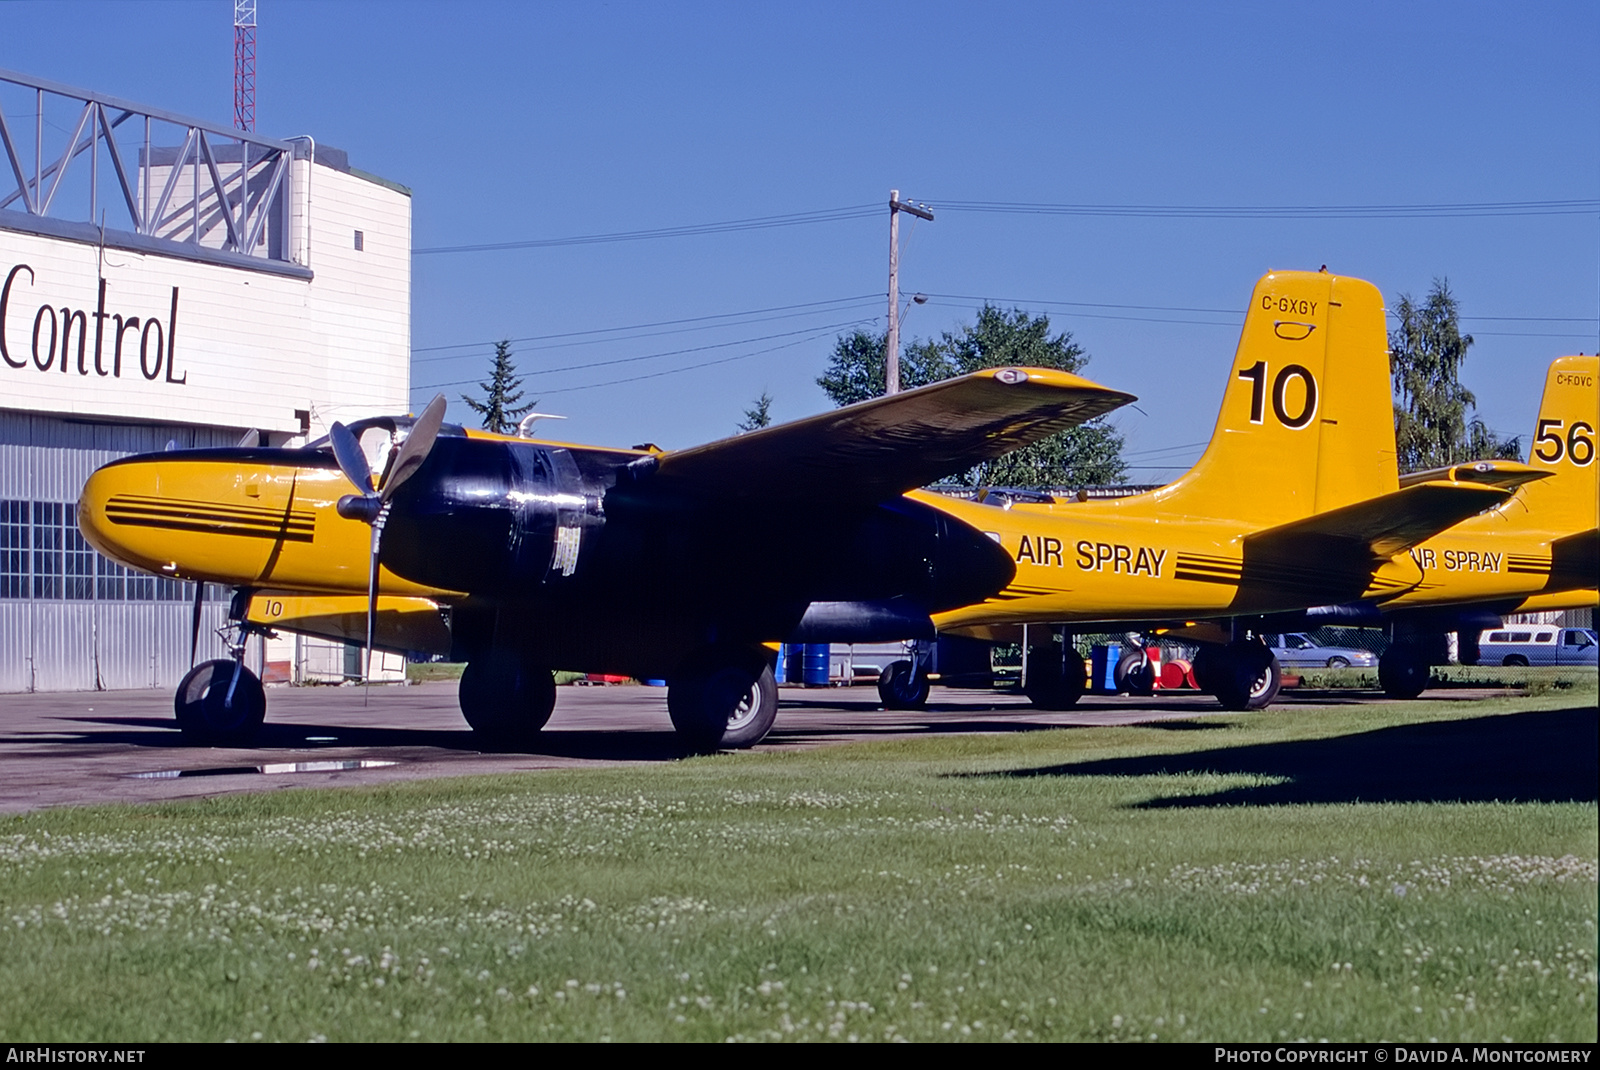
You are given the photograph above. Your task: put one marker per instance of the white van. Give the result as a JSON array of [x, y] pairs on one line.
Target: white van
[[1538, 644]]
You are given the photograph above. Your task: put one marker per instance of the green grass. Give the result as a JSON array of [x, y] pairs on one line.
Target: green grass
[[424, 672], [1534, 681], [1402, 872]]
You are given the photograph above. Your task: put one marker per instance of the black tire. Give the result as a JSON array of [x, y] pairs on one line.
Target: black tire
[[1264, 689], [1338, 663], [902, 686], [506, 699], [1515, 661], [1244, 676], [1055, 681], [1206, 668], [1135, 674], [209, 716], [1403, 672], [725, 702]]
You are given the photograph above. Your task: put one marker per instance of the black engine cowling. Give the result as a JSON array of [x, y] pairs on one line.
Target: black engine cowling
[[490, 517]]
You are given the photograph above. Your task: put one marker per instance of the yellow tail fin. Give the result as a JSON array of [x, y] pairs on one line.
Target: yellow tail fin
[[1564, 442], [1307, 420]]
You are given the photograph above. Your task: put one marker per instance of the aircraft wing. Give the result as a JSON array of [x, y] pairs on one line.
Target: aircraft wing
[[1371, 531], [880, 448]]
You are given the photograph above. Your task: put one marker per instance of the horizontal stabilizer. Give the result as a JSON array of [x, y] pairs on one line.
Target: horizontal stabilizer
[[1331, 557], [1575, 559], [1508, 475], [880, 448], [1378, 528]]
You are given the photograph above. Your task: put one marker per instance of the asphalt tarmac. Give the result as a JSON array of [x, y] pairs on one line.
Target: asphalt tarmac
[[78, 748]]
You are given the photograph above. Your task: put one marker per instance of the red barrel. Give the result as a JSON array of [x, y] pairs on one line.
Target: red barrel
[[1177, 673]]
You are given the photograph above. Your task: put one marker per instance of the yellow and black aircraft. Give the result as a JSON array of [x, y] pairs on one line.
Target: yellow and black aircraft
[[1295, 503], [675, 564], [1538, 550]]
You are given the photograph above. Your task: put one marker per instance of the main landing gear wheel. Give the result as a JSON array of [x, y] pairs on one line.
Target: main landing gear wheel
[[220, 704], [506, 699], [1055, 680], [1403, 672], [903, 686], [723, 702], [1135, 673], [1243, 675]]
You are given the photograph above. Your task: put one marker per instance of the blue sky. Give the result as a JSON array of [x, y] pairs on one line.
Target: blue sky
[[547, 120]]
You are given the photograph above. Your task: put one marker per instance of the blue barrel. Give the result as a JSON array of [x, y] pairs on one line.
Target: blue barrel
[[815, 669], [791, 664], [1103, 667]]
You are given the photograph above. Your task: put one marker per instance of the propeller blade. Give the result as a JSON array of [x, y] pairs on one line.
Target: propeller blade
[[372, 599], [352, 462], [194, 624], [418, 443], [251, 438]]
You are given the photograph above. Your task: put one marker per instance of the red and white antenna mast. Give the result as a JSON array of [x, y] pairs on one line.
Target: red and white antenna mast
[[244, 64]]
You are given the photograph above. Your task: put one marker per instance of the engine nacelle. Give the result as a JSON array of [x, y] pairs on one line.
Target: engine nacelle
[[491, 518]]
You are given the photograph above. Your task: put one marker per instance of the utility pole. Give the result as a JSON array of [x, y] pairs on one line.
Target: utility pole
[[892, 343]]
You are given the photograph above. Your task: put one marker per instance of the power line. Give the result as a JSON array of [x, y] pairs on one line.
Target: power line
[[1476, 209], [817, 307], [1583, 206], [760, 315], [730, 226], [692, 367], [811, 337], [813, 331]]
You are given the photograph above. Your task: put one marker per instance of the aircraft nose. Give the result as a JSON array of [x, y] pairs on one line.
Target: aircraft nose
[[137, 546]]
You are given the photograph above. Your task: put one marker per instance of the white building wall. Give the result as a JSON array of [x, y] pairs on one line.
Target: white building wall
[[250, 348], [246, 347]]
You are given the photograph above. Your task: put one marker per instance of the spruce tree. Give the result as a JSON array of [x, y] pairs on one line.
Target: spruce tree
[[758, 415], [499, 407]]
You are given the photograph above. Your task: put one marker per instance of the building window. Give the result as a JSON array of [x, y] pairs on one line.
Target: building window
[[44, 555], [361, 241], [47, 549], [77, 557], [14, 545]]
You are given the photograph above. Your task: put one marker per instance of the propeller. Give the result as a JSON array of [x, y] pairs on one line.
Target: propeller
[[371, 506]]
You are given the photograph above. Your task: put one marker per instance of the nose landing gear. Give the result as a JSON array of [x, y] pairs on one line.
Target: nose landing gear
[[221, 703]]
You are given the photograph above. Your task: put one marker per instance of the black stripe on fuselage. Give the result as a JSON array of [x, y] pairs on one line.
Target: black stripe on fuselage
[[285, 532]]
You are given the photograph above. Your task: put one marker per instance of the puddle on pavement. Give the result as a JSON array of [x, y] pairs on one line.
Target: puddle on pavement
[[269, 769]]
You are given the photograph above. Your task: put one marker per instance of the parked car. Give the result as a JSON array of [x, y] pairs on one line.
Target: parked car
[[1295, 650], [1538, 644]]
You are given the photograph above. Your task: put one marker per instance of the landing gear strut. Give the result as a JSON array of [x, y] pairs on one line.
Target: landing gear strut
[[221, 703], [723, 699], [506, 698]]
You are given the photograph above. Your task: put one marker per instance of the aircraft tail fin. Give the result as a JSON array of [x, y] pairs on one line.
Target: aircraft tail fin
[[1307, 419], [1564, 445]]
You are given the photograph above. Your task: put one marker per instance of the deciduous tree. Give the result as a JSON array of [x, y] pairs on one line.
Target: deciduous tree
[[1435, 422], [1080, 456]]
